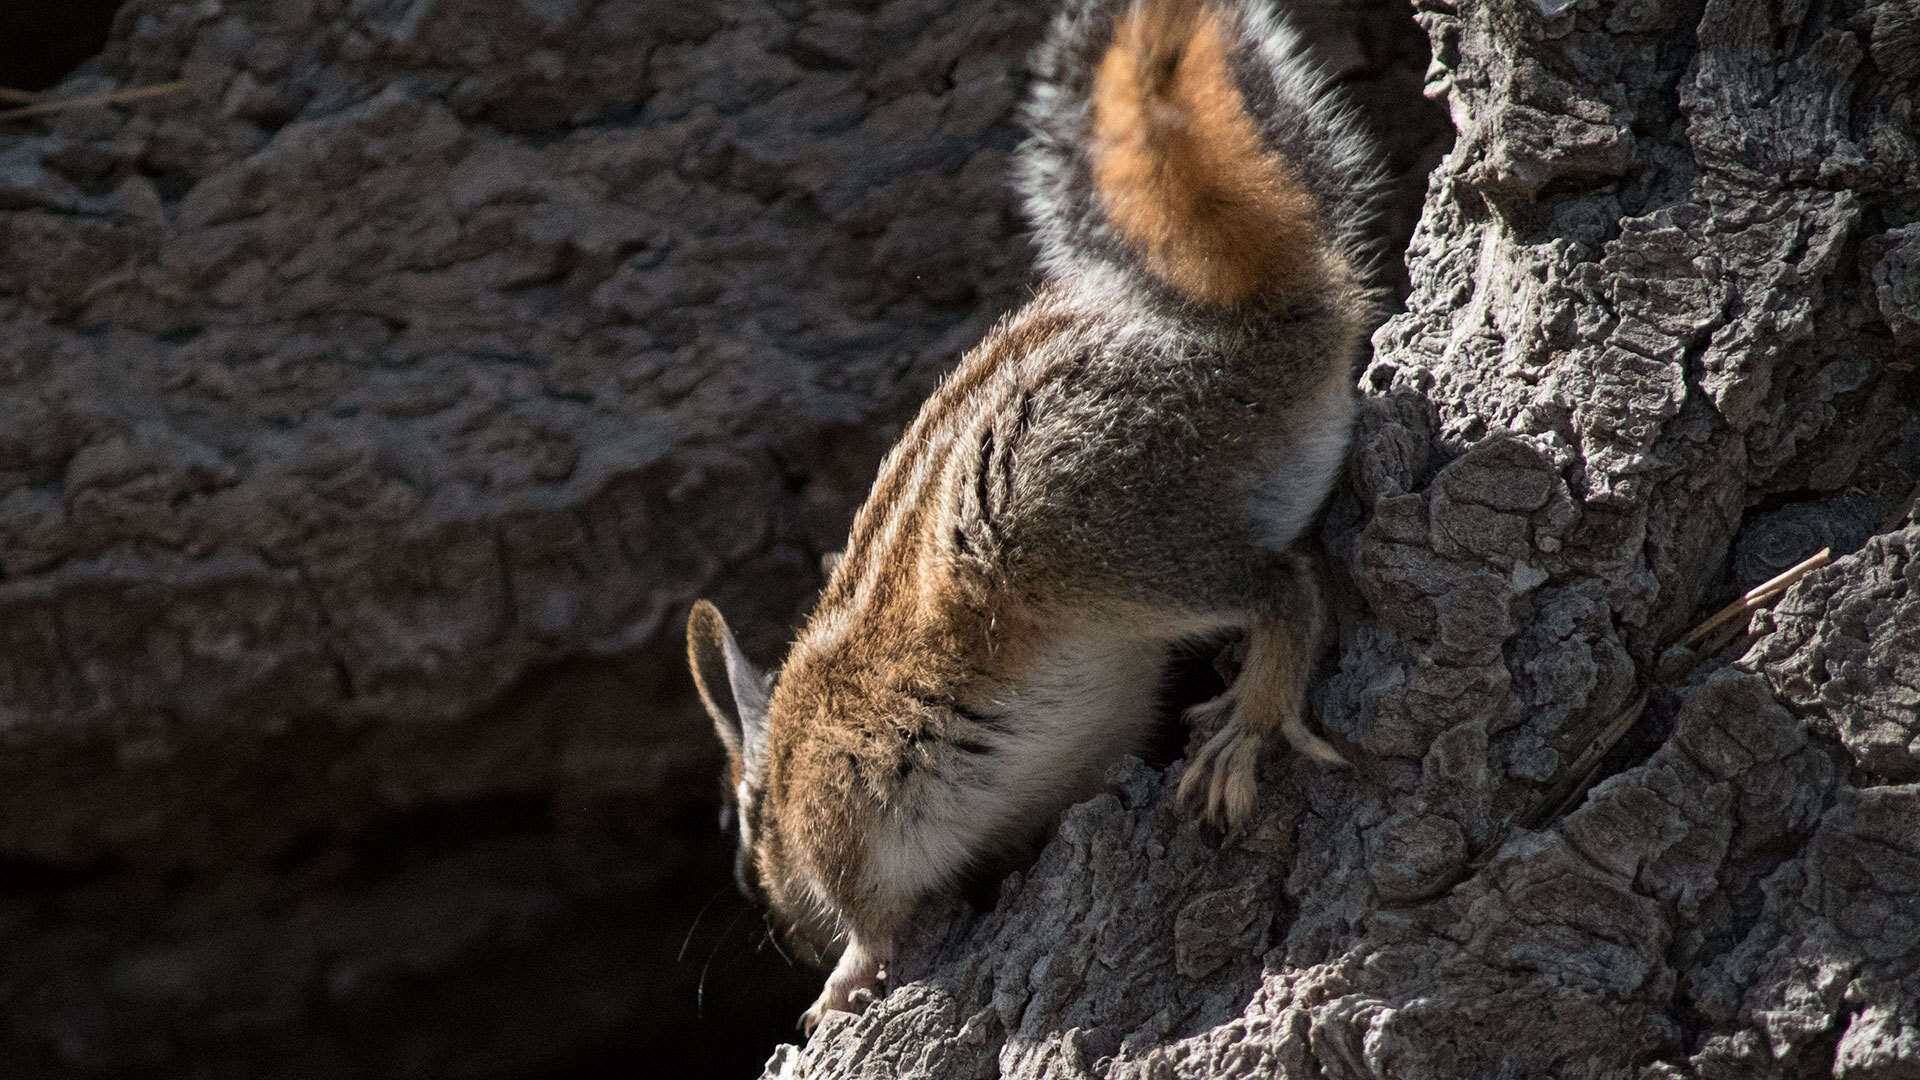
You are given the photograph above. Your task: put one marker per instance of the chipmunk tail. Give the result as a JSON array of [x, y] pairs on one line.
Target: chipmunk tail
[[1196, 144]]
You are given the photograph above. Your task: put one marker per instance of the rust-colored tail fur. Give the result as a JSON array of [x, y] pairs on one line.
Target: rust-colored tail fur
[[1179, 165]]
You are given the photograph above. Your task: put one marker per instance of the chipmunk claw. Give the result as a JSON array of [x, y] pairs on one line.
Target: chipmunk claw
[[828, 1002], [1219, 785]]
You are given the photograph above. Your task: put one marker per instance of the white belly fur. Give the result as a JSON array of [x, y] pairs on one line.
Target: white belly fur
[[1078, 709]]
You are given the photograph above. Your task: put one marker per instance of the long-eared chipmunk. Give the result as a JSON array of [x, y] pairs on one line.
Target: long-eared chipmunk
[[1124, 462]]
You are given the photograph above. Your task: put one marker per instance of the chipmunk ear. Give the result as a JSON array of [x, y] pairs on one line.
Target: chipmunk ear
[[732, 689]]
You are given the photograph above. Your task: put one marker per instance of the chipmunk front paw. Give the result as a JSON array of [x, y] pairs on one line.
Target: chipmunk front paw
[[838, 998], [854, 984]]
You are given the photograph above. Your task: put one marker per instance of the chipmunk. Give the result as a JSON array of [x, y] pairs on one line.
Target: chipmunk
[[1123, 463]]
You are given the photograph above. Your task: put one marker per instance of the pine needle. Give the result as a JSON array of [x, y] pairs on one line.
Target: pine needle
[[86, 101], [1759, 596]]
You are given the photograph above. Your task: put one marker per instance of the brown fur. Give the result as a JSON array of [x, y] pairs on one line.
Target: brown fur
[[1180, 167], [1013, 337], [911, 630]]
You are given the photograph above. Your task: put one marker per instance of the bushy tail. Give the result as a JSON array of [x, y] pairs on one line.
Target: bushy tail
[[1195, 144]]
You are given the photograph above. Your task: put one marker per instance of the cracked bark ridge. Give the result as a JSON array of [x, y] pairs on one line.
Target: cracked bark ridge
[[1658, 349], [1845, 653], [370, 411]]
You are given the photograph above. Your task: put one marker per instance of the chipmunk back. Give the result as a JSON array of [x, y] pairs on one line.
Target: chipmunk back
[[1124, 462]]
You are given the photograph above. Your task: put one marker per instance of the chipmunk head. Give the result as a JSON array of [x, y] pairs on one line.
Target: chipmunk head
[[738, 696]]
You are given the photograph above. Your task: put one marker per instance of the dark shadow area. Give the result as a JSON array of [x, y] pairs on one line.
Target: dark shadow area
[[454, 940], [534, 928], [42, 40]]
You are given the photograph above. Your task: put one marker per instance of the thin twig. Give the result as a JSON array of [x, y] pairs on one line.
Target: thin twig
[[23, 97], [86, 101], [1759, 596], [1720, 638]]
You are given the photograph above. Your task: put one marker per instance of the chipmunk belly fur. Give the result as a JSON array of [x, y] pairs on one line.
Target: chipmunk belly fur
[[1024, 756], [1123, 463]]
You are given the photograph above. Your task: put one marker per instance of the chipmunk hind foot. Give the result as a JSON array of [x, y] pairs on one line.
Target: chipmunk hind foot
[[1220, 785], [1268, 697]]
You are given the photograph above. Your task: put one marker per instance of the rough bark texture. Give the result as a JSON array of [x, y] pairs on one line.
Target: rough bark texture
[[369, 412], [1660, 346]]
